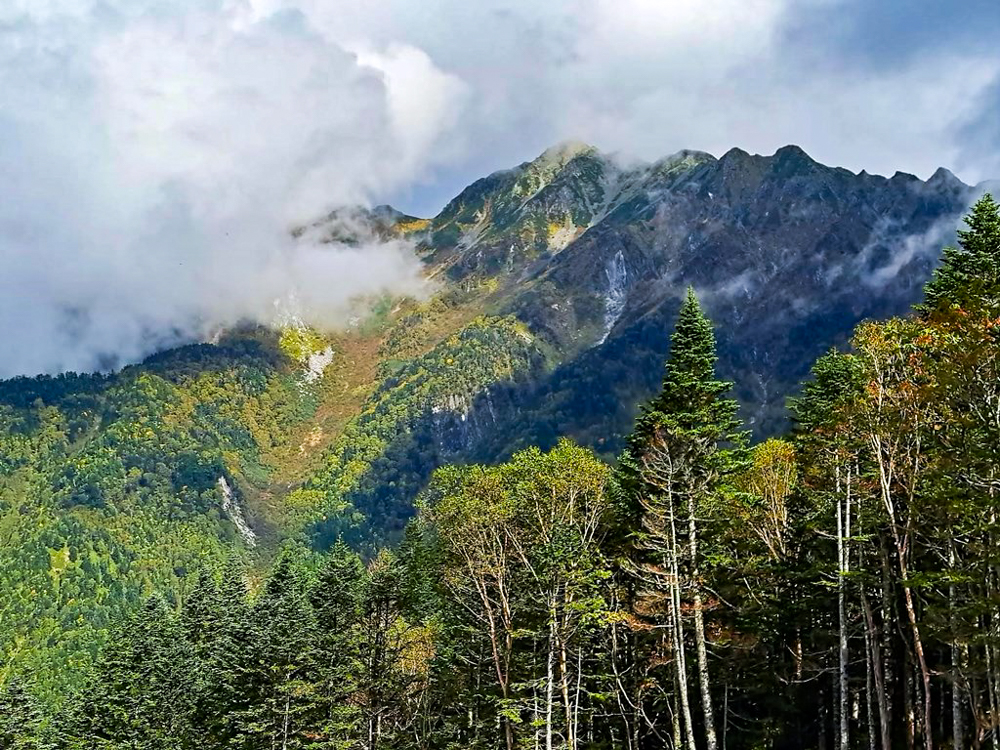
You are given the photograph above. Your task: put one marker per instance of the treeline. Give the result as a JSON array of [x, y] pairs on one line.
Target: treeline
[[837, 589]]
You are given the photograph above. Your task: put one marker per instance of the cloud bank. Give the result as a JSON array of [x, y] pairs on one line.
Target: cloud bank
[[155, 153], [155, 161]]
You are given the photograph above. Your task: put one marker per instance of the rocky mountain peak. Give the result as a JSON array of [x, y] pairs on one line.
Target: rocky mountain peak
[[792, 160], [593, 256], [944, 178], [558, 156]]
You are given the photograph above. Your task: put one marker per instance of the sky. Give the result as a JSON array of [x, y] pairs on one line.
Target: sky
[[155, 153]]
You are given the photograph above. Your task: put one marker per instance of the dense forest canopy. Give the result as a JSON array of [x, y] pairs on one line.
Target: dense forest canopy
[[837, 587]]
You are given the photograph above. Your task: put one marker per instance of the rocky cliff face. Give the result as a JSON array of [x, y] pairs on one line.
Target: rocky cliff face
[[786, 254]]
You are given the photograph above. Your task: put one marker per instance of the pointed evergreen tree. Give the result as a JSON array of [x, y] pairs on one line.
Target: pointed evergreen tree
[[203, 618], [691, 403], [691, 397], [382, 640], [286, 709], [336, 601], [140, 694], [227, 659], [685, 445], [202, 614], [416, 558], [969, 273]]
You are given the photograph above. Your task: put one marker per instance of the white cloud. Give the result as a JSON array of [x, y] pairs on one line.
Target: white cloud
[[155, 164], [651, 77]]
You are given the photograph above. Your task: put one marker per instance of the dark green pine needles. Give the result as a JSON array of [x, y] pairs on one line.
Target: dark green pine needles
[[691, 398], [969, 273]]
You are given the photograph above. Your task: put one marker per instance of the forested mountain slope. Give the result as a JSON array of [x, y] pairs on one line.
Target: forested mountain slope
[[834, 588], [557, 282]]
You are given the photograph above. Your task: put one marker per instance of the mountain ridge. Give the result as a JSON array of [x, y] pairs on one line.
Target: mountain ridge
[[868, 222]]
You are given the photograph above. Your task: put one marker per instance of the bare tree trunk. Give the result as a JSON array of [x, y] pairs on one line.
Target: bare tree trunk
[[564, 689], [902, 547], [676, 728], [550, 678], [843, 563], [911, 724], [537, 712], [637, 700], [878, 673], [957, 733], [991, 677], [681, 661], [576, 700], [869, 709], [626, 704], [925, 674], [798, 656], [699, 632], [682, 679], [888, 619]]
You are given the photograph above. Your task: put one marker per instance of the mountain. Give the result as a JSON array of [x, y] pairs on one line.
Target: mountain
[[786, 254], [557, 282]]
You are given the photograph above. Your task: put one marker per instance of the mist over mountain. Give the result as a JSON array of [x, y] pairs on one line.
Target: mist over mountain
[[554, 284], [381, 375], [159, 153], [786, 254]]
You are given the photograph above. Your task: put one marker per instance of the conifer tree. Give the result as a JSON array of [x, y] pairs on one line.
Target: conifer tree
[[684, 446], [202, 613], [227, 660], [336, 601], [140, 694], [383, 642], [416, 558], [969, 273], [286, 708]]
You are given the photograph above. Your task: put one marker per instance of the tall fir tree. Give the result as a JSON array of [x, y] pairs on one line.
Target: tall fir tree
[[685, 445], [140, 694], [691, 401], [383, 641], [970, 273], [202, 613], [281, 674], [227, 663], [417, 560], [336, 601]]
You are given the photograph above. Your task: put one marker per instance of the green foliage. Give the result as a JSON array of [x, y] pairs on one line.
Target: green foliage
[[144, 667], [970, 273], [406, 427], [108, 490], [690, 397], [525, 584], [21, 717], [298, 343], [548, 600], [685, 441]]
